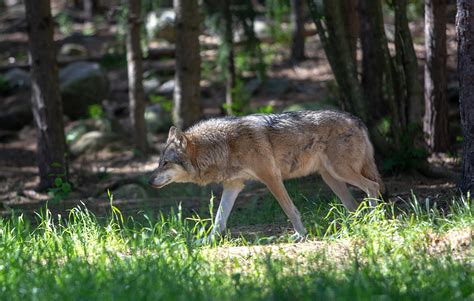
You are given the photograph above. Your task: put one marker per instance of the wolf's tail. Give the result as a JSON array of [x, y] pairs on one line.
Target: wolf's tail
[[369, 169]]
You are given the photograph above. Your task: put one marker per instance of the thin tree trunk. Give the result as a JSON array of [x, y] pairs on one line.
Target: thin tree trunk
[[298, 33], [377, 73], [351, 22], [135, 77], [407, 66], [338, 50], [435, 123], [46, 99], [230, 65], [465, 32], [187, 108], [88, 9]]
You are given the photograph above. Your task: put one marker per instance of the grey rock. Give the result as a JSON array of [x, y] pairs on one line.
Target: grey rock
[[94, 140], [82, 84], [151, 85], [160, 25], [15, 111], [157, 119], [18, 79], [167, 87], [73, 50]]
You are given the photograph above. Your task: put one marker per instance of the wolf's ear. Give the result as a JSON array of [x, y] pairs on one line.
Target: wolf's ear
[[177, 135]]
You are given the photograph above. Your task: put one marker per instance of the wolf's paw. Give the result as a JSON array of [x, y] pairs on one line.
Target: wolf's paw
[[297, 237]]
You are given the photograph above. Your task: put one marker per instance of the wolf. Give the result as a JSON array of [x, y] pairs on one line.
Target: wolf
[[271, 148]]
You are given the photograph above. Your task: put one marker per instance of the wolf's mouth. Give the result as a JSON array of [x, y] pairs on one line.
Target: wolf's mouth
[[159, 185]]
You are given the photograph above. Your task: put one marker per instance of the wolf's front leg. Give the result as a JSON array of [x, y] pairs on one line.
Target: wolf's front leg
[[230, 193]]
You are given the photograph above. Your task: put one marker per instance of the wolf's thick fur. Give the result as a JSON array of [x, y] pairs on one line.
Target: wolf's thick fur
[[269, 149]]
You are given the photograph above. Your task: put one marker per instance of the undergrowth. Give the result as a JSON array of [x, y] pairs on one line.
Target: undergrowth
[[387, 255]]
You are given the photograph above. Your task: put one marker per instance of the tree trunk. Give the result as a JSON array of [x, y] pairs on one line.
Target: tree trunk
[[88, 9], [465, 32], [298, 33], [229, 48], [435, 123], [377, 73], [46, 99], [135, 77], [410, 90], [338, 50], [351, 23], [187, 108]]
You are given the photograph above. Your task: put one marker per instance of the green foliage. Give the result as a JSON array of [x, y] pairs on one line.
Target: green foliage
[[96, 111], [65, 23], [4, 85], [163, 101], [116, 57], [61, 188], [276, 10]]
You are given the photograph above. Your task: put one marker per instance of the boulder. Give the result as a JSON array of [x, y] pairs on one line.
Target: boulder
[[94, 140], [15, 111], [18, 79], [160, 25], [82, 84], [157, 119], [167, 88], [73, 50]]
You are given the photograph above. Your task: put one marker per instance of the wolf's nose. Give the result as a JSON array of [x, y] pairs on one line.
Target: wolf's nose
[[150, 181]]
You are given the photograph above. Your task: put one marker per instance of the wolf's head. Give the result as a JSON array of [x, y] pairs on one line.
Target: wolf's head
[[175, 164]]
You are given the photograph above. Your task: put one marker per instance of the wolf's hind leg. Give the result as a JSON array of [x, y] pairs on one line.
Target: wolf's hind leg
[[348, 175], [229, 195], [340, 189], [276, 187]]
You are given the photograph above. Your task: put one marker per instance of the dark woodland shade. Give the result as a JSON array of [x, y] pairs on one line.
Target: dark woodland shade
[[46, 99], [465, 32]]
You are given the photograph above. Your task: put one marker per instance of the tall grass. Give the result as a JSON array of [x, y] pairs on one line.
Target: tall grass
[[387, 255]]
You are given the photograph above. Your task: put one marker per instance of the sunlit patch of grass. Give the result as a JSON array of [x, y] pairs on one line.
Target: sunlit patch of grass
[[377, 253]]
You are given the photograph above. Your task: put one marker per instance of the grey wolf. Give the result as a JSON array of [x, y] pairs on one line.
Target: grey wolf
[[272, 148]]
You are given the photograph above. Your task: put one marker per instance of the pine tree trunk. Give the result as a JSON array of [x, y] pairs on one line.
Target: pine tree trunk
[[337, 48], [298, 33], [230, 65], [46, 99], [187, 107], [435, 123], [377, 69], [135, 77], [410, 89], [465, 32], [88, 9], [351, 23]]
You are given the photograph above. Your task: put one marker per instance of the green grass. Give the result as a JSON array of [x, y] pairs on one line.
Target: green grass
[[381, 254]]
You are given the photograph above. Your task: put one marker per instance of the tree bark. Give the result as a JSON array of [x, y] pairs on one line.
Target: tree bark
[[465, 33], [338, 50], [435, 122], [135, 77], [297, 30], [351, 23], [230, 65], [377, 73], [410, 90], [187, 108], [46, 99]]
